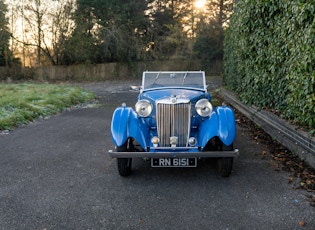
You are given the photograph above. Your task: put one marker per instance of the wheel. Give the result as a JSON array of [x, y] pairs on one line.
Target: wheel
[[124, 164], [225, 164]]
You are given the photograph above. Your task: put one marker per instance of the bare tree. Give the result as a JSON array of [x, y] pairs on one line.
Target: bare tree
[[45, 26], [33, 15], [61, 29]]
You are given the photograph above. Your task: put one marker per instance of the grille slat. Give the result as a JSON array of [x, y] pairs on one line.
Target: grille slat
[[173, 120]]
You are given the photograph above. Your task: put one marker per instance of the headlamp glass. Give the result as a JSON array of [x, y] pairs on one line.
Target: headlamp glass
[[203, 107], [144, 108]]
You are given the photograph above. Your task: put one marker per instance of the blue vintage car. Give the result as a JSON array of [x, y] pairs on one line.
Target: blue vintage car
[[173, 124]]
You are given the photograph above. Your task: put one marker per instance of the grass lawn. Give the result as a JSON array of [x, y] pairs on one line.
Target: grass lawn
[[21, 103]]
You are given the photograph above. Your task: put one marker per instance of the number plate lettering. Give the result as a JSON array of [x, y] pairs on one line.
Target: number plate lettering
[[173, 162]]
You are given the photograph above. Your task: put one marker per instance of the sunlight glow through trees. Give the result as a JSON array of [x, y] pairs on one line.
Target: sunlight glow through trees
[[200, 4]]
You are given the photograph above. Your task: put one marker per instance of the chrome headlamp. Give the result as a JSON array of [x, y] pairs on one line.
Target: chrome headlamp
[[203, 107], [144, 108]]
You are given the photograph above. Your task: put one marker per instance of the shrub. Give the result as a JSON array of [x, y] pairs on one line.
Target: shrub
[[269, 56]]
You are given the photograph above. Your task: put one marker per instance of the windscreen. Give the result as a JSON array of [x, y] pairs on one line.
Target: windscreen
[[152, 80]]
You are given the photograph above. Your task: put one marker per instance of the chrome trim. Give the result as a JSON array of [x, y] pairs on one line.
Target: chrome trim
[[209, 154], [169, 101], [204, 89], [177, 148], [173, 119]]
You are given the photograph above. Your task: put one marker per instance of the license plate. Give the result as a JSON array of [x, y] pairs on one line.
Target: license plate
[[173, 162]]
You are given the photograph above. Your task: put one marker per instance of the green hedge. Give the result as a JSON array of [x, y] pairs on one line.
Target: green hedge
[[269, 56]]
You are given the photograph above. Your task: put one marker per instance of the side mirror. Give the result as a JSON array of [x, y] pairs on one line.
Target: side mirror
[[135, 88]]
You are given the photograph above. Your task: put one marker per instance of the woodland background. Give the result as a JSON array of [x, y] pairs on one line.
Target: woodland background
[[265, 50]]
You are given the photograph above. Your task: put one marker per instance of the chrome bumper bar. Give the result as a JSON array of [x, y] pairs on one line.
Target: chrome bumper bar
[[209, 154]]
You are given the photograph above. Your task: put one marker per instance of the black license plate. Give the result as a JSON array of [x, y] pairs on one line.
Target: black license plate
[[173, 162]]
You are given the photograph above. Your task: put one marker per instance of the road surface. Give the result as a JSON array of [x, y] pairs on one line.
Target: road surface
[[56, 174]]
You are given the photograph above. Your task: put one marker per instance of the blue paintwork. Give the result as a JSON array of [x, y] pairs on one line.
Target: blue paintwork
[[179, 93], [126, 123], [221, 123]]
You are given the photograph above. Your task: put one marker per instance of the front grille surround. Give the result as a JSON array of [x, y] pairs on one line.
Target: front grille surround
[[173, 119]]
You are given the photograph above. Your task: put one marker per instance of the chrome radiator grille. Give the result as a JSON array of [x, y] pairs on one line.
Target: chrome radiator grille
[[173, 120]]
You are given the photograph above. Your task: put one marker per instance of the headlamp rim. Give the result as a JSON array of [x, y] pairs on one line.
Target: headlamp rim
[[201, 104], [148, 104]]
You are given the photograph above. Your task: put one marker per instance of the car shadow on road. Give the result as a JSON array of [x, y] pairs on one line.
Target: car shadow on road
[[206, 168]]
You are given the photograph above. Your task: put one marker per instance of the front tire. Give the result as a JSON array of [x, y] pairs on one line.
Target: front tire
[[124, 164], [225, 164]]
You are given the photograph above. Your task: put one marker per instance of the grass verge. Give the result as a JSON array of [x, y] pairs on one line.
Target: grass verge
[[22, 103]]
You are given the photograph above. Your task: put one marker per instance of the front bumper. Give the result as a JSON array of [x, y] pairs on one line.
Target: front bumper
[[208, 154]]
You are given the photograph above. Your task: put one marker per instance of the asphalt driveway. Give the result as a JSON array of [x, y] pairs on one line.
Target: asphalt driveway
[[56, 174]]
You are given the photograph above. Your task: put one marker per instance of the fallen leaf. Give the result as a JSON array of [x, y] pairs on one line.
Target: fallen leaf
[[289, 163], [309, 182], [290, 179], [302, 223], [310, 198]]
